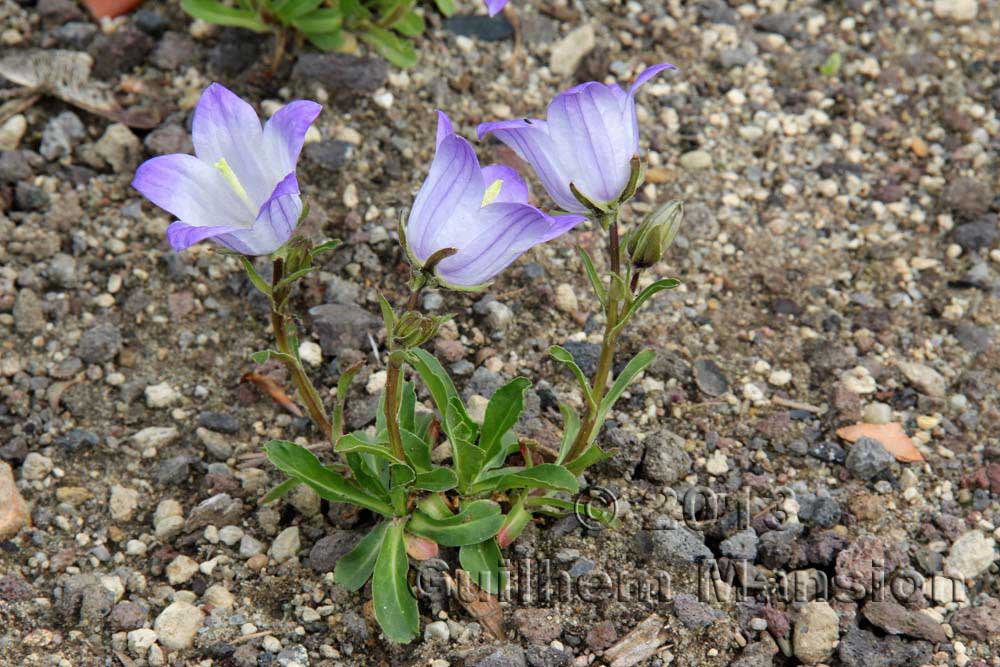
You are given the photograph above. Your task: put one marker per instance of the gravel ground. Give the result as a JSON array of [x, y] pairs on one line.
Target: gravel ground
[[840, 262]]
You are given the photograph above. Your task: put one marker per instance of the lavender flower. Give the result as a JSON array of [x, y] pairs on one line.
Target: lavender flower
[[588, 139], [239, 189], [494, 6], [483, 213]]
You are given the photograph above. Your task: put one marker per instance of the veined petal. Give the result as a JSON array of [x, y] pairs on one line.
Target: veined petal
[[493, 7], [285, 132], [444, 128], [182, 235], [530, 139], [192, 190], [275, 225], [226, 127], [453, 189], [504, 232], [648, 74], [513, 189], [592, 124]]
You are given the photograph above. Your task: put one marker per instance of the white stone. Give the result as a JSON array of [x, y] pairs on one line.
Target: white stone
[[816, 632], [566, 298], [12, 131], [971, 555], [476, 406], [160, 395], [139, 641], [230, 535], [181, 570], [168, 527], [571, 49], [219, 596], [696, 160], [311, 353], [779, 378], [958, 11], [156, 436], [859, 380], [877, 413], [376, 382], [177, 625], [35, 467], [437, 630], [286, 545], [123, 503], [717, 464]]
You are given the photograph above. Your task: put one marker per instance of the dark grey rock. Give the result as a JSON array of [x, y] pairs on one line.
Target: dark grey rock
[[75, 35], [128, 615], [61, 135], [478, 26], [234, 53], [860, 648], [173, 471], [150, 22], [710, 378], [340, 325], [330, 154], [672, 545], [483, 382], [665, 460], [867, 458], [981, 623], [967, 197], [57, 12], [167, 139], [328, 550], [28, 315], [117, 53], [546, 656], [13, 588], [505, 655], [587, 355], [99, 344], [694, 614], [741, 546], [62, 270], [717, 11], [983, 233], [826, 451], [782, 23], [28, 197], [219, 422], [341, 72], [778, 548], [14, 166], [78, 439], [175, 50], [219, 510], [821, 511]]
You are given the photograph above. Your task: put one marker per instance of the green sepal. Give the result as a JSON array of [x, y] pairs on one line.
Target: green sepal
[[255, 278]]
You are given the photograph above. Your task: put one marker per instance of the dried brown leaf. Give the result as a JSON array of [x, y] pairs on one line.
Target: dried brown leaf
[[270, 386], [892, 436], [482, 606]]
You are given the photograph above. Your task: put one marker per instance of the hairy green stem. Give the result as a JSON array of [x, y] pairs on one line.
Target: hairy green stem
[[393, 377], [609, 222], [307, 392]]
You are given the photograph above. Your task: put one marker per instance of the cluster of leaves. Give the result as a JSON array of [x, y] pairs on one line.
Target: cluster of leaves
[[330, 25], [414, 499]]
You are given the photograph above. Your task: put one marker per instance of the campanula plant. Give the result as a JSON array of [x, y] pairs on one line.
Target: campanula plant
[[467, 223]]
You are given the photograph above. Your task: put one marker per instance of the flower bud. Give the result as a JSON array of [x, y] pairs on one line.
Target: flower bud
[[647, 244], [413, 329]]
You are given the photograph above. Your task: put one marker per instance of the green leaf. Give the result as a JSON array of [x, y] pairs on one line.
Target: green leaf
[[571, 426], [417, 450], [326, 246], [502, 412], [219, 14], [320, 22], [509, 443], [395, 604], [396, 50], [255, 278], [279, 491], [299, 463], [589, 509], [484, 563], [352, 443], [354, 10], [642, 297], [407, 407], [543, 476], [439, 479], [594, 277], [296, 9], [479, 520], [343, 388], [832, 64], [563, 356], [638, 364], [355, 567], [435, 377], [410, 24], [590, 456], [446, 7], [330, 41], [388, 316], [401, 475], [368, 477]]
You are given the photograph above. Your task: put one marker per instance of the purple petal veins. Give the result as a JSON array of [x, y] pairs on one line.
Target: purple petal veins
[[482, 212], [587, 139], [239, 188]]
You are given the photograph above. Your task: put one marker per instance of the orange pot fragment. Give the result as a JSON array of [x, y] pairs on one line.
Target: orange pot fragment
[[892, 436]]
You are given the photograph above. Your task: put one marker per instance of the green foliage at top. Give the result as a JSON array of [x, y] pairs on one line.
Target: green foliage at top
[[330, 25]]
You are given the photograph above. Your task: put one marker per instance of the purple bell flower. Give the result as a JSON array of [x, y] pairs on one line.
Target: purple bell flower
[[483, 213], [239, 189], [588, 138]]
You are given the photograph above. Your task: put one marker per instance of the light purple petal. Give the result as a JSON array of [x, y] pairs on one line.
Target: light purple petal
[[591, 124], [648, 74], [530, 139], [285, 132], [273, 227], [444, 128], [453, 190], [182, 235], [226, 127], [494, 6], [503, 232], [191, 190], [513, 189]]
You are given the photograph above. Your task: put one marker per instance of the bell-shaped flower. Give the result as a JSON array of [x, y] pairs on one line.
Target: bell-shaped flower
[[482, 214], [588, 139], [239, 189]]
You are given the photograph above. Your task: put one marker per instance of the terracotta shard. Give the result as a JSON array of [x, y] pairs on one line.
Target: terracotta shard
[[892, 436]]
